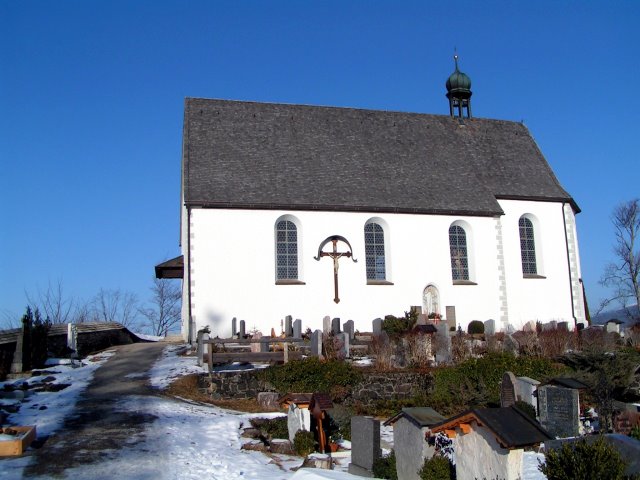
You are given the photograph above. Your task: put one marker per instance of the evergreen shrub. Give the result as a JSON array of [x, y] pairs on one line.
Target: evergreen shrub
[[437, 468], [385, 467], [304, 443], [310, 375], [583, 461], [475, 327], [272, 427], [476, 381]]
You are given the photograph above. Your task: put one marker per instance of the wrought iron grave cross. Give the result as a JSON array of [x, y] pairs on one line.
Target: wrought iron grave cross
[[335, 255]]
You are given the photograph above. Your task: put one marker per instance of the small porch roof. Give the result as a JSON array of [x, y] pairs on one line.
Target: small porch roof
[[173, 268]]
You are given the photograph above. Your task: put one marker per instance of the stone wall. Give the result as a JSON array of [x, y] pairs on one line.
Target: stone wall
[[390, 386], [374, 387], [230, 385]]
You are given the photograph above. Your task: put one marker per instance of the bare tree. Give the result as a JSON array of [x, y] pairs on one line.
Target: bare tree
[[116, 306], [623, 275], [164, 312], [9, 319], [53, 303], [84, 312]]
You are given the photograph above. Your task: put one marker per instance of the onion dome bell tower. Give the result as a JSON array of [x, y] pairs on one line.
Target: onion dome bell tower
[[459, 92]]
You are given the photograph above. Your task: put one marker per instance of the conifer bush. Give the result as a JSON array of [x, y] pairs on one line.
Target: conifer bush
[[385, 467], [584, 460], [475, 327], [310, 375], [437, 468], [304, 443]]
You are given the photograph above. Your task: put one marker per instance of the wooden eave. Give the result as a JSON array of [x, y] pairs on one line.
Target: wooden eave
[[173, 268]]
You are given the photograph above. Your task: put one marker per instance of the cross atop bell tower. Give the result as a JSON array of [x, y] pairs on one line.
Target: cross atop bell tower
[[459, 92]]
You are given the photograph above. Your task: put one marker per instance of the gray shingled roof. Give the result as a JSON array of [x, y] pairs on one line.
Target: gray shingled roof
[[277, 156], [512, 427], [421, 416]]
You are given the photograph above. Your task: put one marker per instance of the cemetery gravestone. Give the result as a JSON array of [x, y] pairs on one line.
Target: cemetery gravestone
[[316, 343], [450, 312], [268, 400], [344, 344], [377, 326], [365, 445], [511, 345], [255, 347], [335, 326], [559, 410], [349, 328], [490, 327], [508, 390], [443, 343], [326, 324], [297, 328], [297, 419], [200, 349], [288, 326]]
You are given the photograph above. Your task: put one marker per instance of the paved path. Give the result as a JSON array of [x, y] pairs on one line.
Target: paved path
[[98, 427]]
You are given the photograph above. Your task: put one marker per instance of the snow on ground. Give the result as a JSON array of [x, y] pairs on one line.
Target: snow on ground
[[172, 365], [47, 410], [187, 440], [530, 463]]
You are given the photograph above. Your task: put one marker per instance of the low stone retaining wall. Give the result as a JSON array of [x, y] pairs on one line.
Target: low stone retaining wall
[[374, 387], [231, 385], [378, 386]]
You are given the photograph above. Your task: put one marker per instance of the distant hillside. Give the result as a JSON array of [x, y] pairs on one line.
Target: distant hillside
[[620, 314]]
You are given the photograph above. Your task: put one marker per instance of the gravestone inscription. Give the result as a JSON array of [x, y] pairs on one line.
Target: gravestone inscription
[[559, 410]]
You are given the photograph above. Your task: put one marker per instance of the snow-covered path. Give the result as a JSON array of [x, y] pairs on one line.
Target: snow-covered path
[[186, 441]]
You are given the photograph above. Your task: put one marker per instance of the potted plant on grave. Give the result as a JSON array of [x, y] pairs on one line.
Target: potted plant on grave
[[334, 441]]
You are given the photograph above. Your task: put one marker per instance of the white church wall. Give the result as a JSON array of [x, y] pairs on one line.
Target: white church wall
[[547, 297], [233, 269]]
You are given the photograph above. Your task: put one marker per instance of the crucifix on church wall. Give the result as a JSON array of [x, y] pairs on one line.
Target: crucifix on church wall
[[335, 256]]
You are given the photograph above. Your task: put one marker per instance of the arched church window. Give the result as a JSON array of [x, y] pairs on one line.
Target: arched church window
[[374, 251], [286, 250], [528, 247], [459, 254]]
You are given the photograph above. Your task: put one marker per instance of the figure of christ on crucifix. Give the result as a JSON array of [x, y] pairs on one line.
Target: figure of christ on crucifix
[[335, 255]]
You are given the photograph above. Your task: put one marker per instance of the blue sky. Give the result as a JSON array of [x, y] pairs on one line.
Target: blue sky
[[92, 93]]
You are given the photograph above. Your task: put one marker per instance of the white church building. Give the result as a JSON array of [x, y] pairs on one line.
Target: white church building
[[312, 211]]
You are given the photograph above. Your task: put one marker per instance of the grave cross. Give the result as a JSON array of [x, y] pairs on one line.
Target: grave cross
[[335, 255]]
